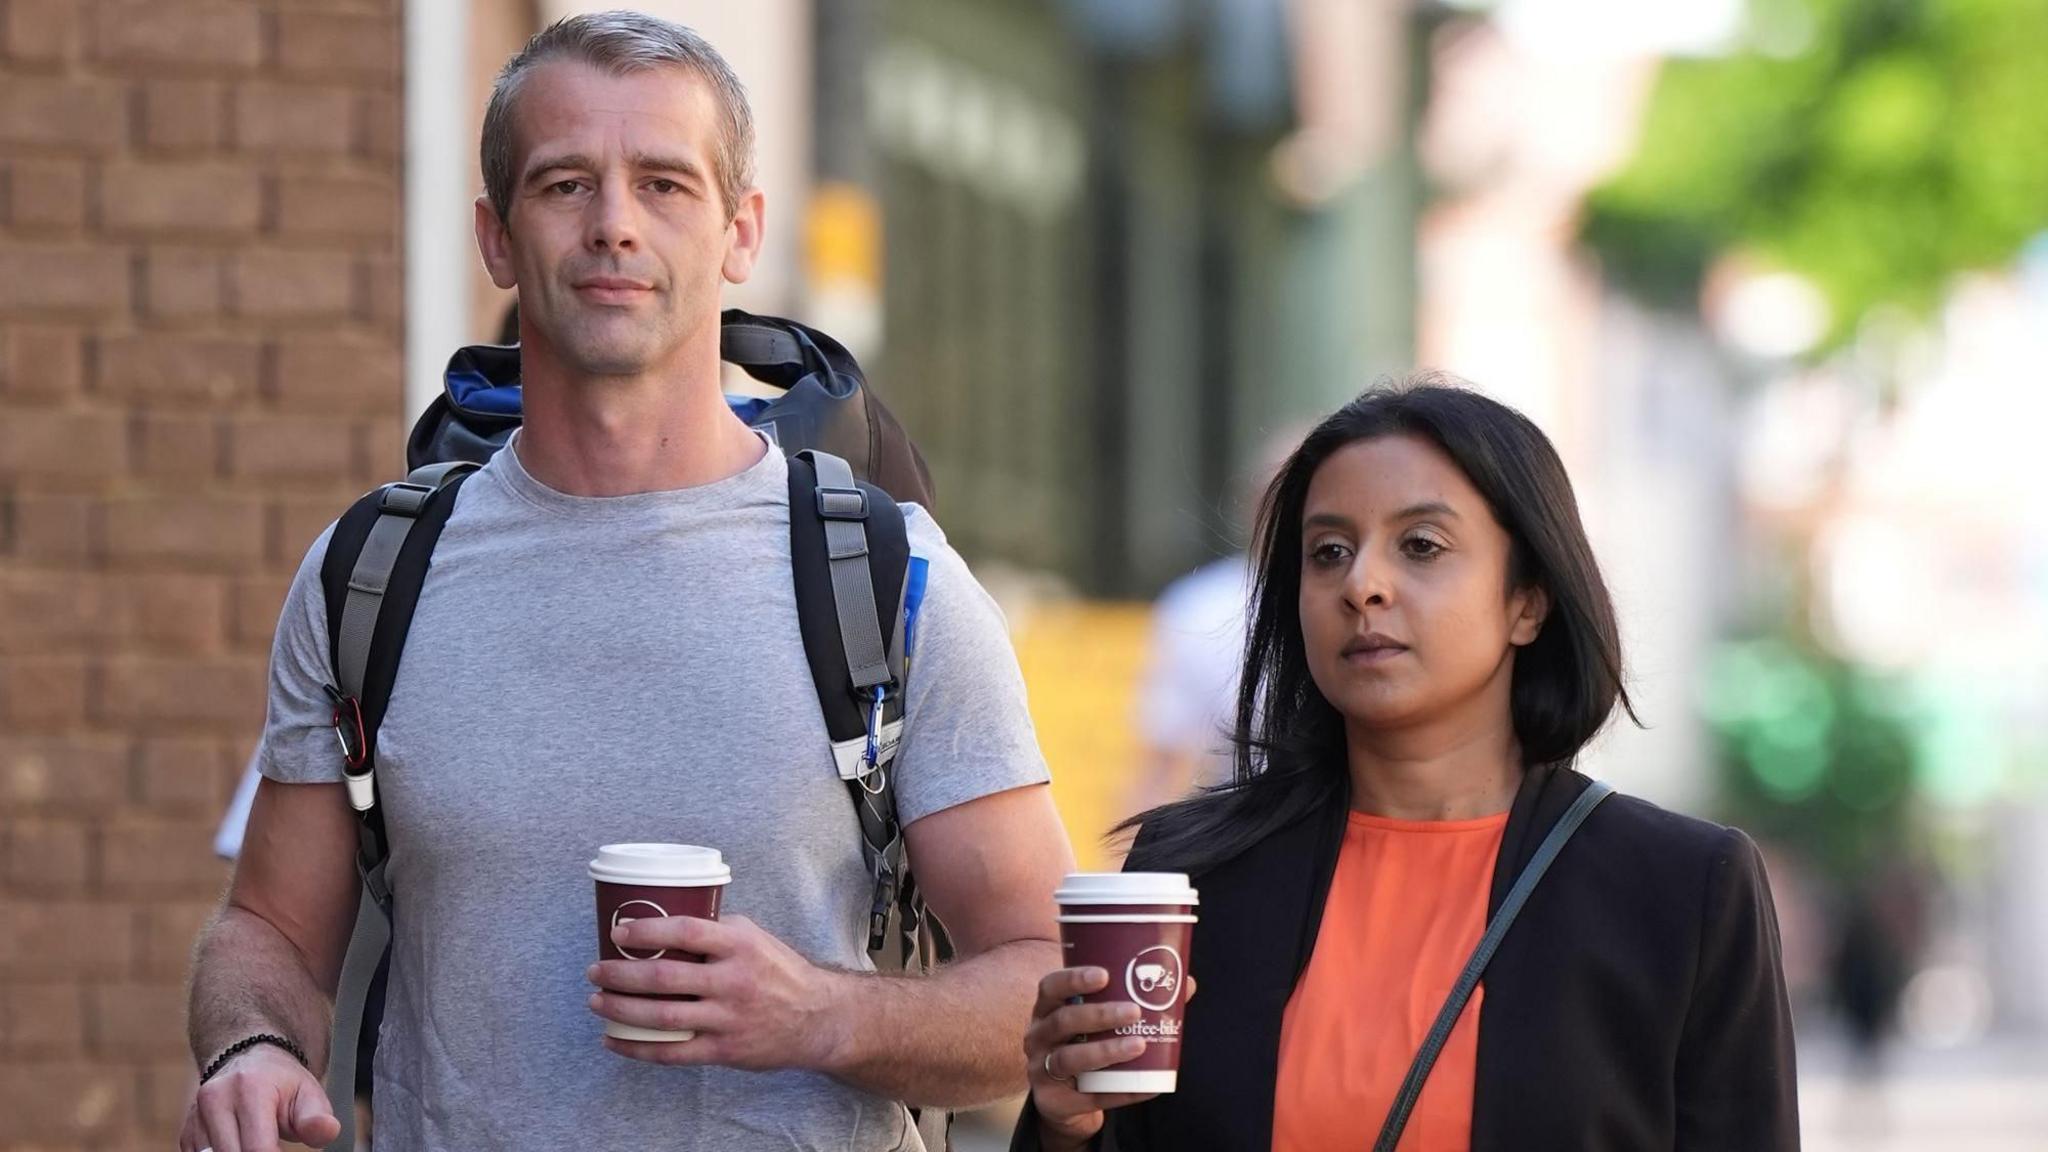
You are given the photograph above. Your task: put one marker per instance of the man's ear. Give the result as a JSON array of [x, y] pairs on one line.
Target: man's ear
[[1530, 606], [494, 242], [744, 236]]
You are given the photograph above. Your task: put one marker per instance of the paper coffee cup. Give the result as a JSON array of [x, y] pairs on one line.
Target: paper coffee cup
[[650, 881], [1136, 926]]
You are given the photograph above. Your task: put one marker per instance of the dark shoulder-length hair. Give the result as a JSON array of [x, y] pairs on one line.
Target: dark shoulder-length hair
[[1289, 740]]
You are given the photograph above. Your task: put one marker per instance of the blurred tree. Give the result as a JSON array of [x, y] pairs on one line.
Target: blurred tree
[[1875, 147], [1817, 753]]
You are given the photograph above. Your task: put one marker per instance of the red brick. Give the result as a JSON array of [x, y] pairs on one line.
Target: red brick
[[289, 449], [131, 1022], [43, 30], [48, 858], [169, 369], [178, 614], [294, 118], [184, 33], [51, 612], [255, 603], [331, 42], [53, 529], [300, 521], [65, 1102], [158, 857], [175, 446], [327, 374], [42, 1019], [181, 284], [356, 207], [218, 533], [62, 277], [293, 285], [68, 938], [41, 364], [382, 126], [169, 929], [382, 452], [183, 115], [181, 775], [165, 1088], [81, 774], [47, 195], [185, 694], [385, 276], [67, 113], [173, 197], [42, 693], [58, 444]]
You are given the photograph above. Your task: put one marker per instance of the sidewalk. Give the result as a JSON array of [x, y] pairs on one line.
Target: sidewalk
[[1988, 1097]]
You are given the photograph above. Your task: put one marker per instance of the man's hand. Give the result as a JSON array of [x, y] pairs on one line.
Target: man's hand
[[759, 1004], [258, 1099]]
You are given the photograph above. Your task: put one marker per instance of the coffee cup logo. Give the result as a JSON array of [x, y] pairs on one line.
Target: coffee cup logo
[[1153, 978], [620, 915]]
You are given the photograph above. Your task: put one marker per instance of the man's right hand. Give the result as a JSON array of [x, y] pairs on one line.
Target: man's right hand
[[260, 1098]]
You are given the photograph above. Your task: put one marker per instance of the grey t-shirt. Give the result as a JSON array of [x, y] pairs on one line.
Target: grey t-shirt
[[583, 671]]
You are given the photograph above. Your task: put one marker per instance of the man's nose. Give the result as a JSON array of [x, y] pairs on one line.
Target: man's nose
[[615, 218]]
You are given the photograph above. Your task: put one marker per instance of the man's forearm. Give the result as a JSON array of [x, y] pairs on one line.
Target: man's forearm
[[953, 1039], [248, 978]]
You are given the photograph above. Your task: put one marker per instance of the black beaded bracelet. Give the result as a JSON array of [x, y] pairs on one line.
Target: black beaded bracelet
[[246, 1043]]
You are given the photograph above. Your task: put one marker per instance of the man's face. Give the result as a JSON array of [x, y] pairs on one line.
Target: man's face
[[616, 236]]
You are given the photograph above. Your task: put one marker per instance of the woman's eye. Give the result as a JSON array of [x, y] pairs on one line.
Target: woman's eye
[[1421, 547], [1328, 554]]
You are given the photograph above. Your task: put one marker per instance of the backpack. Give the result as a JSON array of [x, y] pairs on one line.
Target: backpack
[[850, 462]]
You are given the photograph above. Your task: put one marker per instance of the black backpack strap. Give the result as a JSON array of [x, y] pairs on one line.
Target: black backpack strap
[[1475, 966], [850, 560], [376, 563]]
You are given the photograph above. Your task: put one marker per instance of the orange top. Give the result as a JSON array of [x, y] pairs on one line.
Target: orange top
[[1406, 907]]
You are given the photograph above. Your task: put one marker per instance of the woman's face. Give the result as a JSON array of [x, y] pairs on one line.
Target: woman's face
[[1406, 612]]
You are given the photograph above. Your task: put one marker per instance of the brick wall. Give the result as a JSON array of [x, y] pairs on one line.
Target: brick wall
[[199, 365]]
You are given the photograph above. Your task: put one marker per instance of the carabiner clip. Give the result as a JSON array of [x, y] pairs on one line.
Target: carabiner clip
[[874, 751]]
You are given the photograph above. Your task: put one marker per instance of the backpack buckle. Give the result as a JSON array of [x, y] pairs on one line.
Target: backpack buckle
[[842, 503], [404, 498]]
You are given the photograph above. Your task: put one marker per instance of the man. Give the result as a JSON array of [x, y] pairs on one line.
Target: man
[[607, 650]]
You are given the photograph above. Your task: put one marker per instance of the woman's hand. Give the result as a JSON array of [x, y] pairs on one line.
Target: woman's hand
[[1067, 1117]]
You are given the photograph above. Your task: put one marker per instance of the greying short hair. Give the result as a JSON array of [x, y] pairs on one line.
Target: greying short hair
[[621, 43]]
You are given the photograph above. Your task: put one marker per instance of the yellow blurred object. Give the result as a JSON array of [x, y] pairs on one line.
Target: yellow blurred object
[[1081, 664], [843, 236]]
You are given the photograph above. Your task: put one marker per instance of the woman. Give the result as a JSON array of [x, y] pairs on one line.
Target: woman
[[1431, 647]]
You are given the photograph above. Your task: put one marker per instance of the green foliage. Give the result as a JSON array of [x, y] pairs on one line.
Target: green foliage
[[1814, 752], [1905, 141]]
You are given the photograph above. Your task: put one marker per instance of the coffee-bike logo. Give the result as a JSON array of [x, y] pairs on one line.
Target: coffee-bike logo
[[632, 910], [1153, 978]]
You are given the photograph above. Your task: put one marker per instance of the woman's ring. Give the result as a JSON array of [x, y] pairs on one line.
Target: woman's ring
[[1054, 1075]]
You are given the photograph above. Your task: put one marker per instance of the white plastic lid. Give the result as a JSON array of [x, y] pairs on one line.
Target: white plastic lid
[[660, 865], [1126, 888]]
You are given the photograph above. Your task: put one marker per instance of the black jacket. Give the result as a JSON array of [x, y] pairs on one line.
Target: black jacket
[[1638, 1003]]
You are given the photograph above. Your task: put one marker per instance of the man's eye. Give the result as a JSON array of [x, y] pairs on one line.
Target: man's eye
[[565, 187], [665, 186]]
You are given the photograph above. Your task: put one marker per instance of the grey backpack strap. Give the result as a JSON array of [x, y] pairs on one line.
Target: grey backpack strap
[[844, 508], [1468, 980], [366, 947], [377, 599]]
